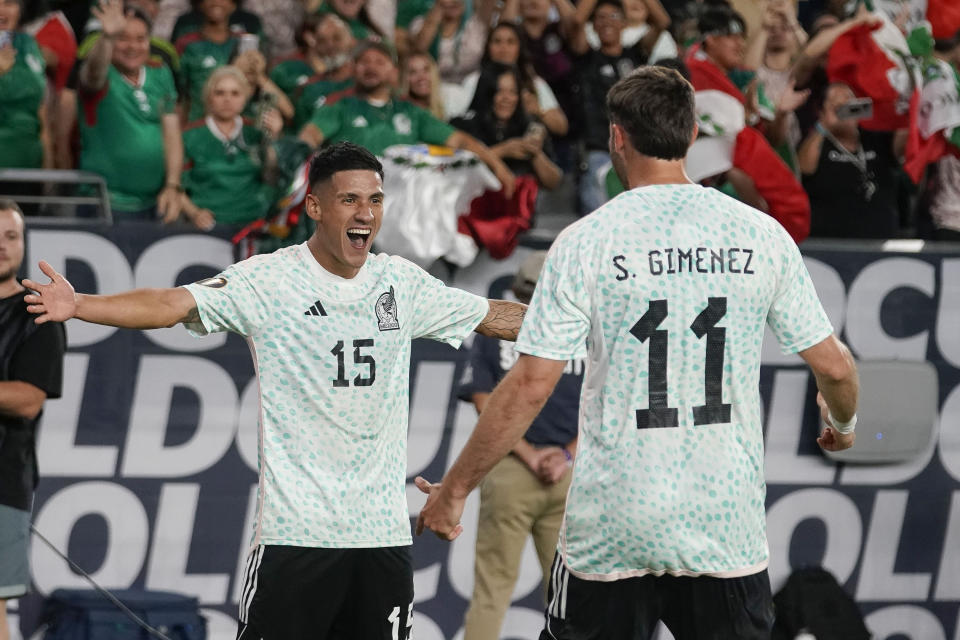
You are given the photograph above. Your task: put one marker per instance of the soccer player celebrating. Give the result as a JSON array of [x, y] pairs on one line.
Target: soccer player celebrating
[[666, 290], [330, 327]]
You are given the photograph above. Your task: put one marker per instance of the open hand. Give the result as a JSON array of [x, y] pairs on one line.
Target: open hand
[[111, 17], [791, 99], [54, 302]]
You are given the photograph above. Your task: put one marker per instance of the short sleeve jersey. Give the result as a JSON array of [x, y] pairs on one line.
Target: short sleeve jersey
[[291, 73], [198, 59], [121, 127], [225, 175], [22, 90], [666, 289], [313, 95], [353, 119], [597, 73], [333, 357]]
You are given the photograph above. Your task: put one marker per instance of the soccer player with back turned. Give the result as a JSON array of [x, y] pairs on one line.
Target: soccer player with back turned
[[666, 290], [330, 328]]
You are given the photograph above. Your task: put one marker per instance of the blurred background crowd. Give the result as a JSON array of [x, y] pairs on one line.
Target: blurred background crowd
[[837, 117]]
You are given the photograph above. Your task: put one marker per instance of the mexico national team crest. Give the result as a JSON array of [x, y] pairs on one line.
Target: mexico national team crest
[[386, 309]]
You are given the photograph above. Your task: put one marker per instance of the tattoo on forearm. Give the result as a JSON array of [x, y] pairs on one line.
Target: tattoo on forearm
[[503, 321], [192, 316]]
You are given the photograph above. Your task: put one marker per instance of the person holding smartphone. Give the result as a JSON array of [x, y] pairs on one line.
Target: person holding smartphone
[[850, 182]]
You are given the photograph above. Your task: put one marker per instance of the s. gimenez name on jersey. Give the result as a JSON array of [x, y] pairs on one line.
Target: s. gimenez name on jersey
[[666, 289]]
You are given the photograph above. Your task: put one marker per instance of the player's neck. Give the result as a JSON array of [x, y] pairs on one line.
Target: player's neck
[[644, 172], [10, 287]]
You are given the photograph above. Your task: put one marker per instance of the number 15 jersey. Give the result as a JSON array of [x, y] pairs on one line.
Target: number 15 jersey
[[666, 290], [332, 357]]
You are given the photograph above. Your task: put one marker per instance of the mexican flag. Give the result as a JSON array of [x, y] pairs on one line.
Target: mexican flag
[[934, 118], [706, 76], [873, 61], [725, 142], [944, 17]]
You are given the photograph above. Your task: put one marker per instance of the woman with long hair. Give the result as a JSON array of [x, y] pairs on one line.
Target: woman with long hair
[[420, 83], [497, 118], [504, 47]]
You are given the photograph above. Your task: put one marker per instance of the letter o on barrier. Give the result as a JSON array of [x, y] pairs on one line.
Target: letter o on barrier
[[128, 535], [904, 620], [837, 512]]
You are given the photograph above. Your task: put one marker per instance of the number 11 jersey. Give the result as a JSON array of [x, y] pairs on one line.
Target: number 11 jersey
[[666, 290], [332, 357]]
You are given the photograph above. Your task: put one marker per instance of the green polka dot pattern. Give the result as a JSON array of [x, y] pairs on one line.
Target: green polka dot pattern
[[666, 290], [333, 360]]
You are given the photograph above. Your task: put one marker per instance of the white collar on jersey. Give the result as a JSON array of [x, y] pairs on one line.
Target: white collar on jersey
[[324, 275], [219, 135]]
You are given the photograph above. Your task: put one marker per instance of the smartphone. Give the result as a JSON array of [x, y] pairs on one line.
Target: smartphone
[[856, 109], [248, 42], [6, 39]]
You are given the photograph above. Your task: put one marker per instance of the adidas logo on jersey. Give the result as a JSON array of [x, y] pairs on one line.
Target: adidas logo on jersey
[[316, 309]]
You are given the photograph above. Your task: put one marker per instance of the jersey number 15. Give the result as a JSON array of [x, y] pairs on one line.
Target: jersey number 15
[[358, 358]]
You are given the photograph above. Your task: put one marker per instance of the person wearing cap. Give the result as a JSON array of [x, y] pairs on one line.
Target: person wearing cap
[[129, 129], [525, 493], [24, 137], [370, 116]]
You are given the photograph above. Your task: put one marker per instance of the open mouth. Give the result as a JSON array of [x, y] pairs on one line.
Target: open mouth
[[359, 237]]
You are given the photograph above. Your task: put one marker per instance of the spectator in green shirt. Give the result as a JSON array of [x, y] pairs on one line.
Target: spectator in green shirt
[[354, 13], [24, 137], [325, 47], [214, 44], [228, 161], [370, 116], [129, 129]]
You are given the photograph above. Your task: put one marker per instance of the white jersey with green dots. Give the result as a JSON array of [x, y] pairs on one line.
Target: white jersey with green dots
[[333, 360], [666, 290]]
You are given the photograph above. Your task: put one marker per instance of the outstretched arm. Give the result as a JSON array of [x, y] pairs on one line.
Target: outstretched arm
[[503, 320], [138, 309], [511, 408]]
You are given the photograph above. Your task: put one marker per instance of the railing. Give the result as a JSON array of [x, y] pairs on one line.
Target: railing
[[59, 177]]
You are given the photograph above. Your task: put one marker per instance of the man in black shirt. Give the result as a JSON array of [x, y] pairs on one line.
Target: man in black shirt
[[597, 71], [31, 370]]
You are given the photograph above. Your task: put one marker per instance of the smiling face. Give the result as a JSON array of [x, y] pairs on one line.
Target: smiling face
[[348, 209], [504, 46], [9, 15], [418, 76], [333, 37], [131, 49], [11, 244], [608, 23], [506, 98], [726, 50]]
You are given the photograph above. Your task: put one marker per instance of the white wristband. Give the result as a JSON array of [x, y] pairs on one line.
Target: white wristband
[[843, 428]]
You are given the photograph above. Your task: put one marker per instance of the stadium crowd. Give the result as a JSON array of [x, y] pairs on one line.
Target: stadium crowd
[[839, 119]]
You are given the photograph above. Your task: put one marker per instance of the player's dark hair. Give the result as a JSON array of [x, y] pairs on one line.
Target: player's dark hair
[[616, 4], [677, 64], [655, 107], [342, 156], [9, 205]]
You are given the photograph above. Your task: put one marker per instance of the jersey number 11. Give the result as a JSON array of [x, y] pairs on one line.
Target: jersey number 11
[[659, 414]]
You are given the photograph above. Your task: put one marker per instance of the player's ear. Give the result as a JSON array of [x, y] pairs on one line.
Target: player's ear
[[313, 207], [696, 132], [616, 137]]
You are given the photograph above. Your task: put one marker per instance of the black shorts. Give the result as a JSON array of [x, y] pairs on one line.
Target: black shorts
[[297, 593], [701, 608]]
